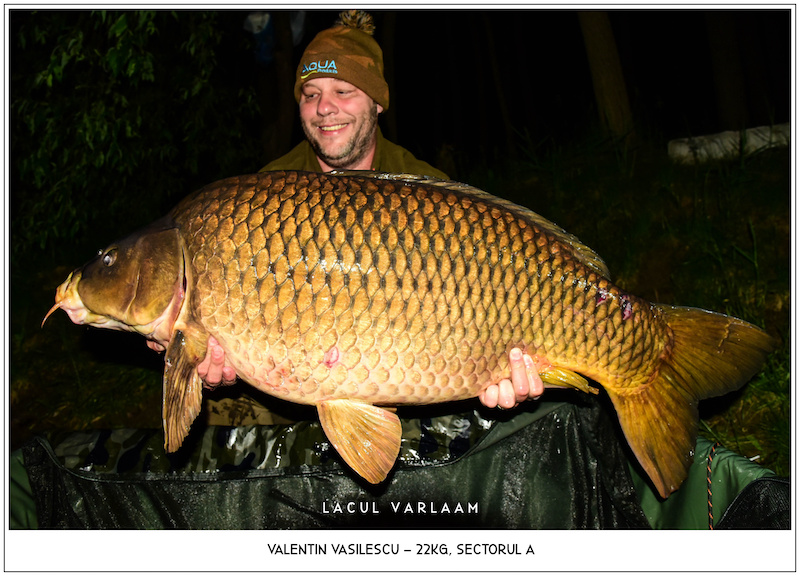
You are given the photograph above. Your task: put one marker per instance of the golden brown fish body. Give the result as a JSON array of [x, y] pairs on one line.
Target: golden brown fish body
[[351, 292], [322, 287]]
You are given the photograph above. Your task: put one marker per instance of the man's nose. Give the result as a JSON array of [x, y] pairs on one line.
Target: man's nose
[[326, 105]]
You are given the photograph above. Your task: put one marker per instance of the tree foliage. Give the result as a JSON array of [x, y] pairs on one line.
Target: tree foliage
[[117, 115]]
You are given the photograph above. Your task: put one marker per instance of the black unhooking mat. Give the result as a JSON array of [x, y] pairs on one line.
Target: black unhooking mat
[[560, 465]]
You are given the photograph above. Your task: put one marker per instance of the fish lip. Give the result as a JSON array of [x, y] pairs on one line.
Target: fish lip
[[68, 300]]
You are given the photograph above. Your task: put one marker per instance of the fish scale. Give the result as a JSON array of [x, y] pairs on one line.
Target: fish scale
[[353, 291]]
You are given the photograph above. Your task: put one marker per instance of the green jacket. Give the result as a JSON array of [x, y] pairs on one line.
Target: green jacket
[[389, 157]]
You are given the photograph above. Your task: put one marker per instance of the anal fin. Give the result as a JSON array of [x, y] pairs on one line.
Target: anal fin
[[182, 391], [367, 437]]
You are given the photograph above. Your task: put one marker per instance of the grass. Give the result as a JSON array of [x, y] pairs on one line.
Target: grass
[[715, 236], [756, 421]]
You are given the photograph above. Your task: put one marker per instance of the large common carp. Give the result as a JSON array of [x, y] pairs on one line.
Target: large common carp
[[357, 292]]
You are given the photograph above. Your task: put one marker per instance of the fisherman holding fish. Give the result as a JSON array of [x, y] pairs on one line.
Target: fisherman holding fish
[[341, 91]]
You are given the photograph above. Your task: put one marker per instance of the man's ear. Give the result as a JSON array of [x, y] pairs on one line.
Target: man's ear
[[380, 108]]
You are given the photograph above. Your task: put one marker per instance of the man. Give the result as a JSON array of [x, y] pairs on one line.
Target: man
[[341, 91]]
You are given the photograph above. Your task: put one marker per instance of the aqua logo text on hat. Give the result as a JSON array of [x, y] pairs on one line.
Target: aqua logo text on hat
[[326, 67]]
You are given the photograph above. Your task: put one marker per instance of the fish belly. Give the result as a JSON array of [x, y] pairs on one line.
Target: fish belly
[[322, 287]]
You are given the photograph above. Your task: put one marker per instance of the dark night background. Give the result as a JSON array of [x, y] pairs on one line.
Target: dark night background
[[115, 116], [444, 86]]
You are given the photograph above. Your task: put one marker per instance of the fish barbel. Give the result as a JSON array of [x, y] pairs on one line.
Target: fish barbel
[[357, 292]]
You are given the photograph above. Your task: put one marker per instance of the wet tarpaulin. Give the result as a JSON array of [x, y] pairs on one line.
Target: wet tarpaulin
[[560, 465]]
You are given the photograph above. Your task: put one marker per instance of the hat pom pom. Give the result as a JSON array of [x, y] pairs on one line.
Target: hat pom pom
[[357, 19]]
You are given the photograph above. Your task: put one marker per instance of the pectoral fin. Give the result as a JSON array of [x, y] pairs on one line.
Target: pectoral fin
[[367, 437], [182, 391]]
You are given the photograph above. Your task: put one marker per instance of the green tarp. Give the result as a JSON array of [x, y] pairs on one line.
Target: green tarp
[[557, 465]]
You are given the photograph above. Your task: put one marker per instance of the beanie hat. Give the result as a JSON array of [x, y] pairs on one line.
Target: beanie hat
[[347, 52]]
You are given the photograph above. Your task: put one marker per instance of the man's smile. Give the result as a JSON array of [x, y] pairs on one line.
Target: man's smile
[[332, 128]]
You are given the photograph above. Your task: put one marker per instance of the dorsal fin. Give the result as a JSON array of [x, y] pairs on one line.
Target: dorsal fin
[[581, 251]]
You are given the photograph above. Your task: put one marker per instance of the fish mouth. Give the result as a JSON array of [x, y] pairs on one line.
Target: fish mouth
[[67, 299]]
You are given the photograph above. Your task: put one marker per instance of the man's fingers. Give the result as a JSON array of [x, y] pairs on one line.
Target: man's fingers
[[212, 368], [155, 346], [228, 375], [506, 397], [525, 378], [519, 375], [534, 380], [489, 397], [202, 367], [216, 357]]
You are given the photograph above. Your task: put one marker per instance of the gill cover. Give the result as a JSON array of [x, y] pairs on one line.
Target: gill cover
[[134, 280]]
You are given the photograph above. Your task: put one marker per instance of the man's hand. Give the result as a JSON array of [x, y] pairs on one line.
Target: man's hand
[[213, 370], [524, 384]]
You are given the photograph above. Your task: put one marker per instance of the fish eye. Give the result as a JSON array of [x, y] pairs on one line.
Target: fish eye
[[110, 257]]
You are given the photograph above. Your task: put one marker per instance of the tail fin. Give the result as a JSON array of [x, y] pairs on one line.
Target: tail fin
[[710, 354]]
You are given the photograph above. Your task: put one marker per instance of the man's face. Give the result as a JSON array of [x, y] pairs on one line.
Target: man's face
[[340, 121]]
